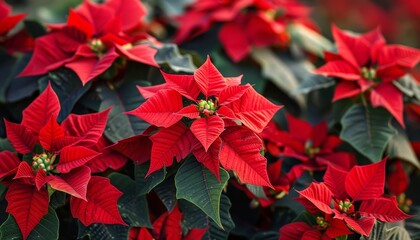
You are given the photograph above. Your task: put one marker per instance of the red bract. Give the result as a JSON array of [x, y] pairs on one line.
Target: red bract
[[59, 154], [7, 21], [366, 65], [167, 226], [217, 105], [93, 37], [356, 196], [247, 23]]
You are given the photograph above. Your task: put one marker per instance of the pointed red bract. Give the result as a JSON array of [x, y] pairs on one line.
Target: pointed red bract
[[136, 148], [24, 171], [74, 183], [363, 226], [159, 110], [27, 205], [209, 79], [22, 139], [366, 182], [232, 93], [8, 163], [379, 97], [384, 209], [41, 110], [73, 157], [254, 110], [335, 179], [175, 141], [319, 195], [207, 130], [50, 134], [240, 152], [88, 127], [235, 45], [190, 111], [184, 84], [101, 204]]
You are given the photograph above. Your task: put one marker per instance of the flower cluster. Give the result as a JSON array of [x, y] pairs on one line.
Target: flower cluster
[[246, 23], [56, 157], [222, 119]]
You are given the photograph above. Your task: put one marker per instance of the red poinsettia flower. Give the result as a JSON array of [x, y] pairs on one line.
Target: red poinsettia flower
[[56, 156], [357, 196], [247, 23], [17, 42], [216, 106], [7, 21], [302, 231], [93, 37], [167, 226], [366, 65]]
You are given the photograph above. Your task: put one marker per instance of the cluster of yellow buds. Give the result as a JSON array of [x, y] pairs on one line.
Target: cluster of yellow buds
[[97, 45], [346, 206], [207, 108], [368, 73], [310, 150], [321, 223], [43, 162]]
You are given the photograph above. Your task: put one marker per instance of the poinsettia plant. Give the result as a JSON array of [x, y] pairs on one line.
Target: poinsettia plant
[[201, 119]]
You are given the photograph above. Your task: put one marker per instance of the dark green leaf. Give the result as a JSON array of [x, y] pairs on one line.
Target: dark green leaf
[[46, 229], [67, 86], [269, 235], [173, 7], [166, 192], [314, 82], [368, 130], [193, 217], [384, 231], [196, 184], [409, 86], [306, 218], [6, 145], [132, 206], [13, 89], [215, 232], [99, 231], [399, 147], [122, 99], [169, 54], [274, 69], [251, 73], [145, 185], [309, 40], [34, 28], [258, 191], [58, 199]]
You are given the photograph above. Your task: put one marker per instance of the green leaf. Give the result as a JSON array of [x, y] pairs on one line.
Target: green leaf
[[58, 199], [132, 206], [6, 145], [368, 130], [399, 147], [306, 218], [169, 54], [196, 184], [215, 232], [268, 235], [145, 185], [384, 231], [67, 86], [251, 73], [99, 231], [122, 99], [46, 229], [314, 82], [309, 40], [341, 238], [258, 191], [409, 86], [34, 28], [276, 70], [166, 192]]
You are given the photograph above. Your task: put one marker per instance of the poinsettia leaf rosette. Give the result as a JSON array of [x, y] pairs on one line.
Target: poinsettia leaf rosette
[[219, 124], [366, 66], [358, 200], [55, 157], [94, 36]]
